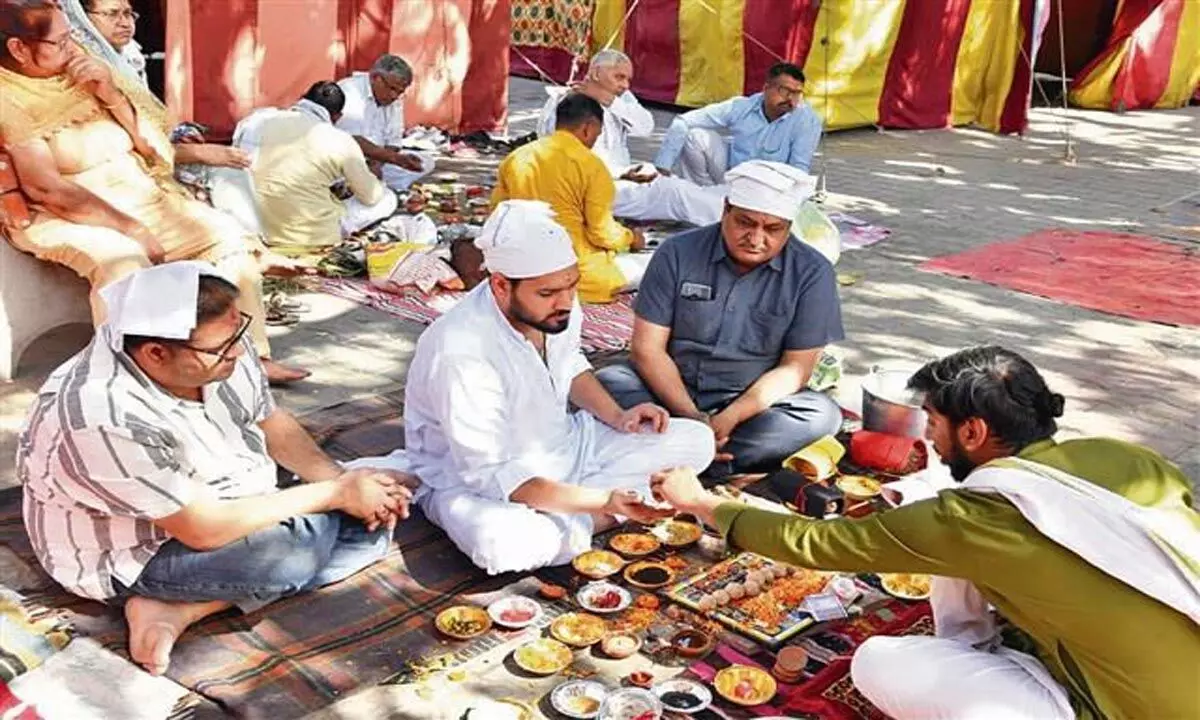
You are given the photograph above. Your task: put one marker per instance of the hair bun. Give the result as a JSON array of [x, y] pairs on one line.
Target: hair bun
[[1051, 403]]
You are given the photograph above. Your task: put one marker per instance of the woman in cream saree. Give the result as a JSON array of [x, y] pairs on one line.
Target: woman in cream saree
[[91, 152]]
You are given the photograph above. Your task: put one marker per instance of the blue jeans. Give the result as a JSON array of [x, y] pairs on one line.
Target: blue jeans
[[758, 445], [298, 554]]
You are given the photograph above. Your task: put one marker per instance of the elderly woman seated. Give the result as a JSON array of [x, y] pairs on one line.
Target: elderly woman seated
[[89, 154]]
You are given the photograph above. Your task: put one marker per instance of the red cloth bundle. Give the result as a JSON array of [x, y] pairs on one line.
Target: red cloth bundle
[[894, 454]]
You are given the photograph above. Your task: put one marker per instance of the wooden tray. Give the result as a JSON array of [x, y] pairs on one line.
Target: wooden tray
[[792, 618]]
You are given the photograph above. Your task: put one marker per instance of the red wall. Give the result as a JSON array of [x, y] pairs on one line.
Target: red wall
[[226, 58]]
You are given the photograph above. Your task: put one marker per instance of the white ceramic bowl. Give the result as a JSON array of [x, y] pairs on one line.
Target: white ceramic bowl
[[630, 703], [592, 590], [563, 694], [690, 687], [514, 602]]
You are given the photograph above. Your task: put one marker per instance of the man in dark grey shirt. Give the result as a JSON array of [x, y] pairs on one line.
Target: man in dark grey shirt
[[731, 320]]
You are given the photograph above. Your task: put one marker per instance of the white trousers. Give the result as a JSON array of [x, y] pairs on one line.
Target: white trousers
[[397, 178], [929, 678], [502, 536], [704, 159], [670, 198], [233, 193], [359, 215]]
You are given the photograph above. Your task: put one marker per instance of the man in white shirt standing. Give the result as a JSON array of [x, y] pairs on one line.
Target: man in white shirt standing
[[149, 465], [515, 478], [374, 115], [643, 193]]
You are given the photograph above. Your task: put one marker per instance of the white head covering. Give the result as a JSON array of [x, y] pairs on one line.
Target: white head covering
[[770, 187], [158, 302], [521, 239]]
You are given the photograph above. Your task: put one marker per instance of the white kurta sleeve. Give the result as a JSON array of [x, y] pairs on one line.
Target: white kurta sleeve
[[470, 406], [637, 120]]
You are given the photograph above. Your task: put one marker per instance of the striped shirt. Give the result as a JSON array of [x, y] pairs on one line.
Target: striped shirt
[[105, 451]]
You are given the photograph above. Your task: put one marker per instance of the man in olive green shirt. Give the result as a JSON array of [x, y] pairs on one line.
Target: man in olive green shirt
[[1104, 649]]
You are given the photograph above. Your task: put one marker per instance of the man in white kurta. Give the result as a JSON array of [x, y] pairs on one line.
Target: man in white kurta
[[374, 115], [642, 194], [515, 477]]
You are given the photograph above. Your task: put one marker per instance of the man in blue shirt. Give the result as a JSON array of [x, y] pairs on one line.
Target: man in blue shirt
[[775, 124], [731, 319]]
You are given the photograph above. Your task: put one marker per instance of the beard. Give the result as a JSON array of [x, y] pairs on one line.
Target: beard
[[959, 464], [551, 324]]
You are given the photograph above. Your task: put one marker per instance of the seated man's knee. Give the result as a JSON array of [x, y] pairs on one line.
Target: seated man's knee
[[874, 666], [826, 413], [692, 443], [624, 384]]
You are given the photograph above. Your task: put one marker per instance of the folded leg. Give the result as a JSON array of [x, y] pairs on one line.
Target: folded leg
[[929, 678], [762, 442], [397, 178]]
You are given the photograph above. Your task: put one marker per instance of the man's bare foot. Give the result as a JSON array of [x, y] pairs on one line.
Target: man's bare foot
[[279, 374], [155, 625], [284, 267]]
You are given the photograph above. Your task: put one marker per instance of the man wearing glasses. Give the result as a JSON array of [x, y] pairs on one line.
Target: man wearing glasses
[[149, 464], [374, 115], [775, 124]]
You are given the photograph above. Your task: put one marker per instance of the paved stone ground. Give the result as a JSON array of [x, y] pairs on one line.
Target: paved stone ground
[[940, 192]]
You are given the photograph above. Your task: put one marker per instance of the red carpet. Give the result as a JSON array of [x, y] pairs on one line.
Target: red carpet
[[1128, 275]]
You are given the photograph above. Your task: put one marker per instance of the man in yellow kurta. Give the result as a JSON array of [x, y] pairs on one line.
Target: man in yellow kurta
[[1090, 547], [563, 171], [298, 155]]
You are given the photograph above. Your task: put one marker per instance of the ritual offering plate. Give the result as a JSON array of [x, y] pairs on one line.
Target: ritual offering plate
[[620, 645], [634, 544], [603, 597], [753, 595], [542, 656], [906, 586], [631, 704], [859, 487], [598, 564], [678, 533], [692, 643], [683, 696], [515, 611], [463, 622], [578, 629], [745, 685], [649, 575], [579, 698]]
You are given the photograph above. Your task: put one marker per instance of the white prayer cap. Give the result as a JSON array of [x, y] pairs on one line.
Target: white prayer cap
[[521, 239], [157, 301], [770, 187]]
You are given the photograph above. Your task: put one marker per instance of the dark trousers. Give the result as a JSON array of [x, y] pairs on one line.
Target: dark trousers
[[759, 444]]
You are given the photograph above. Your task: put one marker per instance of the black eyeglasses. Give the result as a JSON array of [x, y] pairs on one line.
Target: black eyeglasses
[[228, 345], [117, 15]]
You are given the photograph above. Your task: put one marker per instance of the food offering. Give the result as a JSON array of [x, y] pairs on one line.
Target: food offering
[[578, 698], [542, 656], [515, 611], [634, 544], [678, 533], [578, 629], [621, 645], [906, 586], [552, 592], [603, 597], [859, 487], [683, 696], [745, 685], [692, 643], [463, 622], [649, 575], [631, 704], [598, 564], [753, 595]]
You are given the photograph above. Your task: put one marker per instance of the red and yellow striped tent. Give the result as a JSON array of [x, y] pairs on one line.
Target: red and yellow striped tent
[[895, 63], [1151, 59], [224, 58]]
